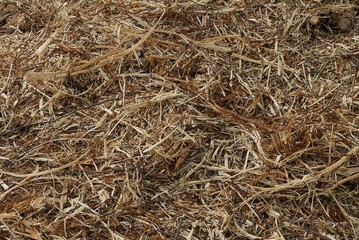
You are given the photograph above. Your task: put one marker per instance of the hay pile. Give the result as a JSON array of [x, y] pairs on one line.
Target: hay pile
[[179, 119]]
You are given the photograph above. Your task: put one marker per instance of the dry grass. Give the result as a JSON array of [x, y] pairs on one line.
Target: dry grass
[[179, 119]]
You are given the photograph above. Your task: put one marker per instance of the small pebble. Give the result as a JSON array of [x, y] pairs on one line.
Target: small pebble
[[344, 24]]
